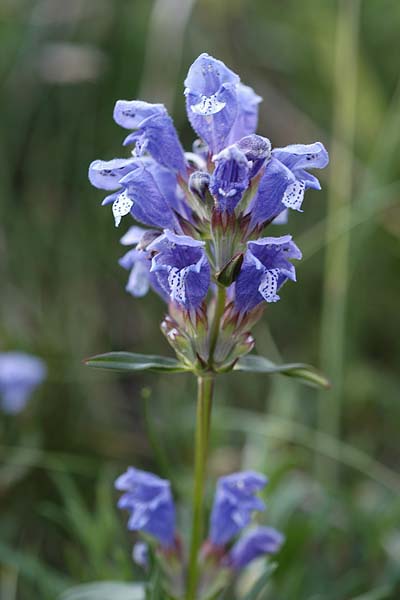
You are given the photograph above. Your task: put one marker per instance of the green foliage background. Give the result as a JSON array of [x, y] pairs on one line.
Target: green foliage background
[[332, 457]]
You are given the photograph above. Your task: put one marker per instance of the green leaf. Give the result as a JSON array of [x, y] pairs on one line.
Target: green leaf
[[128, 361], [260, 584], [105, 590], [304, 373]]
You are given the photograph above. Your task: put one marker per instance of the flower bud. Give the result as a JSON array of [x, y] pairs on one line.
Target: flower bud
[[147, 238], [257, 150], [200, 148], [230, 271], [178, 341], [140, 554], [255, 147], [198, 184]]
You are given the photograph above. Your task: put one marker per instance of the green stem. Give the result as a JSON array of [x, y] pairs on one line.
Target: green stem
[[205, 387], [219, 310]]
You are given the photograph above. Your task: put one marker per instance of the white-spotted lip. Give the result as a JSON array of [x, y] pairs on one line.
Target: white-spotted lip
[[269, 285], [294, 194], [176, 282], [121, 207], [208, 105]]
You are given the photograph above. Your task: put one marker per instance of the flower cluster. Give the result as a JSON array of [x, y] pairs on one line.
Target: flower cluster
[[151, 510], [205, 210], [20, 374]]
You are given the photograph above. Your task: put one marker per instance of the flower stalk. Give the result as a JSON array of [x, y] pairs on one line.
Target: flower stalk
[[215, 327], [205, 389]]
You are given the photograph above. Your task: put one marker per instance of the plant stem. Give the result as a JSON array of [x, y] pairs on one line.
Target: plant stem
[[205, 387], [219, 309]]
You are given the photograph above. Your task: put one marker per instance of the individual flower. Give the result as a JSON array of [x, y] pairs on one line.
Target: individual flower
[[155, 132], [300, 157], [220, 109], [199, 182], [182, 268], [235, 501], [265, 268], [285, 179], [257, 542], [149, 501], [150, 190], [20, 374], [141, 187], [230, 178]]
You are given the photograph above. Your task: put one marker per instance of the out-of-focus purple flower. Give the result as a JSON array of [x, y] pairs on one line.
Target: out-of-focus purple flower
[[266, 267], [149, 501], [155, 132], [230, 178], [235, 501], [138, 261], [285, 179], [134, 235], [258, 542], [220, 109], [20, 374], [182, 268], [140, 554]]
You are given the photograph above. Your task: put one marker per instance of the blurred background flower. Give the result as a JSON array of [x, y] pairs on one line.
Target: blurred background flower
[[20, 375], [326, 70]]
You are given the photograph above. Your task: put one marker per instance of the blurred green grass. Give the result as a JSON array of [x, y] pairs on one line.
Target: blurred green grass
[[62, 66]]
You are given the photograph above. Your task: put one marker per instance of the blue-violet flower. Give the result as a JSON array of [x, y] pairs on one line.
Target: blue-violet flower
[[149, 501], [182, 268], [253, 544], [264, 270], [235, 501], [20, 374]]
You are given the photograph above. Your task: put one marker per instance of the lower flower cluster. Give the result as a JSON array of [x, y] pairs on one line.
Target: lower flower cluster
[[227, 549]]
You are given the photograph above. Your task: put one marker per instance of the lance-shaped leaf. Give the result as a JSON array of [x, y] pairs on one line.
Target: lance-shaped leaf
[[105, 590], [304, 373], [128, 361]]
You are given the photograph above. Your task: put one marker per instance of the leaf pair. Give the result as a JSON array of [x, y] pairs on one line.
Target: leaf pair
[[127, 361]]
